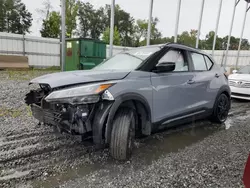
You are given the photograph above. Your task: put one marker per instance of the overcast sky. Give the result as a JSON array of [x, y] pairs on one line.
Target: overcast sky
[[165, 10]]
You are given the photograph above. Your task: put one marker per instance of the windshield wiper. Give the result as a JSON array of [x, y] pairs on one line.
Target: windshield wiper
[[133, 56]]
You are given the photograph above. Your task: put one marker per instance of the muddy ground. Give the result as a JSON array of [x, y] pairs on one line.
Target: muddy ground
[[200, 154]]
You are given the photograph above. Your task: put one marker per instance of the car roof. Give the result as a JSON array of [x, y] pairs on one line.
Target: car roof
[[176, 45], [184, 47]]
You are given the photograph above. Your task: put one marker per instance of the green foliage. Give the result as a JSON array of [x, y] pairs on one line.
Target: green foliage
[[9, 112], [51, 26], [72, 7], [14, 17], [91, 21], [106, 36], [124, 23], [141, 30], [187, 38]]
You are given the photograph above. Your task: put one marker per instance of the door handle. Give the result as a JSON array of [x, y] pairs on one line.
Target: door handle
[[217, 75], [190, 82]]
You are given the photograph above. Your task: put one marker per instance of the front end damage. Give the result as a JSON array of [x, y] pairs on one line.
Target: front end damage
[[73, 109]]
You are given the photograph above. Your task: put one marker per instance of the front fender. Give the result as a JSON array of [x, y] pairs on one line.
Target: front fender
[[102, 112], [118, 101]]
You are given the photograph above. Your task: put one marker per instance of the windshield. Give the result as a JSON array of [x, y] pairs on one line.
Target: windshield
[[128, 60], [244, 70]]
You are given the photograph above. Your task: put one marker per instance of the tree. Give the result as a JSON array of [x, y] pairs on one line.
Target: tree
[[72, 7], [14, 17], [141, 30], [92, 21], [187, 38], [106, 36], [45, 11], [51, 26], [124, 23]]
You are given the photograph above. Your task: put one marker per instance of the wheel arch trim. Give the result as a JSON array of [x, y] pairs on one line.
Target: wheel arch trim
[[117, 103]]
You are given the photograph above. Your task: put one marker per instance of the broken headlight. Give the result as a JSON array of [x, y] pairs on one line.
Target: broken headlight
[[78, 95]]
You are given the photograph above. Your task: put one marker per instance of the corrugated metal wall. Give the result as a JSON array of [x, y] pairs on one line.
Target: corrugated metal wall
[[45, 52], [42, 52], [219, 56]]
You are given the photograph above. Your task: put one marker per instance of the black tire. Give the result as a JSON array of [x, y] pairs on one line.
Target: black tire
[[221, 109], [123, 134]]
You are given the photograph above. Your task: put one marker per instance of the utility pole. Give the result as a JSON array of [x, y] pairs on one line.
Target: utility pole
[[150, 21], [242, 32], [63, 27], [217, 26], [177, 20], [112, 23], [200, 22], [230, 32]]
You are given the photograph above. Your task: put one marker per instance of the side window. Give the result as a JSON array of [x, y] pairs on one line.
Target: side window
[[209, 62], [199, 62], [177, 57]]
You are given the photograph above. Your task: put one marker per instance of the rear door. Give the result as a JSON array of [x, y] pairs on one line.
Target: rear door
[[173, 92], [206, 80]]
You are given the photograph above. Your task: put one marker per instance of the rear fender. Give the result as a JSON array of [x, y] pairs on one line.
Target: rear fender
[[224, 89]]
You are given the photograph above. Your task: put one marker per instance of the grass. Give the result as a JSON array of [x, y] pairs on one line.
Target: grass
[[28, 74], [10, 112], [14, 113]]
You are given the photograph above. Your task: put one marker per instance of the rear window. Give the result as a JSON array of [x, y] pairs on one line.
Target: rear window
[[199, 62]]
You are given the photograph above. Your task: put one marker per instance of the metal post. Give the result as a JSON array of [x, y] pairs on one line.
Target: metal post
[[149, 21], [23, 44], [230, 32], [217, 26], [112, 22], [23, 37], [177, 20], [199, 28], [63, 27], [242, 32]]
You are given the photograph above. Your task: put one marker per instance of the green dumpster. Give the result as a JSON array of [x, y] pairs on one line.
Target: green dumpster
[[84, 54]]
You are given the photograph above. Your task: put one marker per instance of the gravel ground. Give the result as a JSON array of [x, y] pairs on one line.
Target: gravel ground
[[200, 154]]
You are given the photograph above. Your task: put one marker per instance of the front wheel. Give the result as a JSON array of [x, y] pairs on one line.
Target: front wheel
[[123, 134], [221, 109]]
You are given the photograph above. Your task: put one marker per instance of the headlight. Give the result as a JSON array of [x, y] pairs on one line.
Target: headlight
[[78, 95]]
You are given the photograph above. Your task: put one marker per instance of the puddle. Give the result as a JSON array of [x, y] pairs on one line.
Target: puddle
[[149, 149], [228, 123], [70, 174], [174, 140], [16, 174]]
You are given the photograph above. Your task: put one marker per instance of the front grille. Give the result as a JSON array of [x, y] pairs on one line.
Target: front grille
[[247, 85], [46, 116], [232, 83], [240, 84], [240, 95]]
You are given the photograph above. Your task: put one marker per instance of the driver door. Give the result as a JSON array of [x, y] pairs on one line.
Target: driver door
[[173, 92]]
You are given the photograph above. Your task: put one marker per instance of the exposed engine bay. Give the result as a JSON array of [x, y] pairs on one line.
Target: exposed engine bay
[[64, 114]]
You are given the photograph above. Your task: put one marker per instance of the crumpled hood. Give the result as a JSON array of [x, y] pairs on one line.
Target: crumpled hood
[[78, 77], [241, 77]]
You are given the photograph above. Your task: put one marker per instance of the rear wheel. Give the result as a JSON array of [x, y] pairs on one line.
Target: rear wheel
[[221, 109], [123, 134]]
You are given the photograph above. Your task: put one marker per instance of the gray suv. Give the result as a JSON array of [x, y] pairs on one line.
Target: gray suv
[[131, 94]]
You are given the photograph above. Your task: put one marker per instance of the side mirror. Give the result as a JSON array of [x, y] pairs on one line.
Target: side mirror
[[165, 67], [235, 71]]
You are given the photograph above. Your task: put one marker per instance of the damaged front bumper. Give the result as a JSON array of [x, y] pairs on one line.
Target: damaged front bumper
[[71, 111], [85, 120]]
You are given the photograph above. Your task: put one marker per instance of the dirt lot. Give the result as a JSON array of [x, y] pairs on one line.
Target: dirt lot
[[200, 154]]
